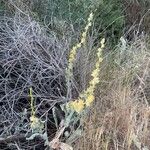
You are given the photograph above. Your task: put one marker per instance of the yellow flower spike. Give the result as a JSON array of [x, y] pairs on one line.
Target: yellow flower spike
[[32, 102], [89, 92], [71, 58], [74, 49], [89, 100], [87, 97]]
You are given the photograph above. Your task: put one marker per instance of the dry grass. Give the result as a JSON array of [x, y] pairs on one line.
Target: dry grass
[[119, 118]]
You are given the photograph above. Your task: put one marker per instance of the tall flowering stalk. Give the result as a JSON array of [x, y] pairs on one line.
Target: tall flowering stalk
[[36, 123], [87, 97], [89, 93], [73, 51], [74, 108]]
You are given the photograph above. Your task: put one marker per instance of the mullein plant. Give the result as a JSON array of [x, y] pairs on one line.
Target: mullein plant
[[75, 108], [36, 124]]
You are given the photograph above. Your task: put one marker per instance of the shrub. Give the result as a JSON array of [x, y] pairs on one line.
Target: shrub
[[30, 56]]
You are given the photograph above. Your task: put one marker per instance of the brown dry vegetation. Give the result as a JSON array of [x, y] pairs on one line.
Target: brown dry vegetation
[[119, 119]]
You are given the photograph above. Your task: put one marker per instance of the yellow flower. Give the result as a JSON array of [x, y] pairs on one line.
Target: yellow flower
[[94, 81], [73, 51], [36, 124], [95, 73], [103, 41], [34, 121], [88, 94], [83, 40], [84, 35], [78, 45], [89, 24], [90, 90], [77, 105], [97, 65], [89, 100], [72, 54], [90, 17], [71, 57], [100, 59], [86, 28]]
